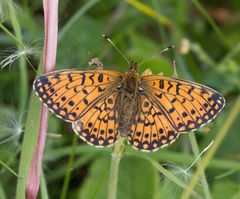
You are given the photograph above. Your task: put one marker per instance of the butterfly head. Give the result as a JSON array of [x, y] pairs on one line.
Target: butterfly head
[[133, 66]]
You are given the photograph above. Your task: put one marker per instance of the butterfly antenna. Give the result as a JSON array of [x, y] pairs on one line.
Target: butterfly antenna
[[110, 41], [157, 54]]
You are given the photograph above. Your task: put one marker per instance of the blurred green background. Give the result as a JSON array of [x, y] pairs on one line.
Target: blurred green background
[[206, 36]]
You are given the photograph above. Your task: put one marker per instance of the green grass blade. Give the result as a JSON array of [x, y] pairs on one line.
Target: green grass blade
[[196, 152], [226, 174], [69, 169], [29, 141], [43, 187], [212, 23], [78, 164], [150, 12], [165, 155], [13, 37], [23, 85], [2, 192], [8, 168]]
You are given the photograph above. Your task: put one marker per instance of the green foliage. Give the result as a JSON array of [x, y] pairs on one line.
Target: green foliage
[[231, 189], [206, 51]]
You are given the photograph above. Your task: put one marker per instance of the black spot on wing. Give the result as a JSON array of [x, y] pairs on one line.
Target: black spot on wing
[[100, 78], [83, 78], [161, 84]]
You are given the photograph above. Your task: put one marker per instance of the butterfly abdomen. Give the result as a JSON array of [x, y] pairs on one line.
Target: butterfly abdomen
[[126, 113], [127, 102]]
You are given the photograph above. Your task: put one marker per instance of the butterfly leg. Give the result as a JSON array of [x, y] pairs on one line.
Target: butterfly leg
[[96, 62], [174, 69]]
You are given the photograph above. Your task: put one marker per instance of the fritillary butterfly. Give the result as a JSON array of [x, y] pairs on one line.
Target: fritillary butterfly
[[150, 110]]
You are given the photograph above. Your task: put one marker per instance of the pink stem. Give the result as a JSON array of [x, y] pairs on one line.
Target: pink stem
[[50, 49], [51, 31]]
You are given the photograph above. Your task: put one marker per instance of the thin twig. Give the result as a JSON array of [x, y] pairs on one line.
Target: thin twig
[[117, 154]]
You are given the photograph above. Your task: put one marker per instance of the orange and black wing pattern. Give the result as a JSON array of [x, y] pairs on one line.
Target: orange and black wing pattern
[[72, 93], [186, 105], [150, 130], [99, 125]]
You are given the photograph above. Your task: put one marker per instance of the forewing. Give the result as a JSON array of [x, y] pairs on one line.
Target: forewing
[[99, 126], [187, 105], [151, 129], [70, 93]]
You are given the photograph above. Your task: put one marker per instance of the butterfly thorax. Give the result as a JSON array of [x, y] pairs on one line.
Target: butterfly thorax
[[126, 105]]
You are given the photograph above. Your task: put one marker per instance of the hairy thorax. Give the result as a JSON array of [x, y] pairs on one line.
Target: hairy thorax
[[127, 102]]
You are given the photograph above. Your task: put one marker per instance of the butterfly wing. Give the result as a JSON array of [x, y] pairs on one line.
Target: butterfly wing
[[71, 93], [150, 130], [186, 105], [99, 126]]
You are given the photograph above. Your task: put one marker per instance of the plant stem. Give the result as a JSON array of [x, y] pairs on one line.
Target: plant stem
[[220, 136], [117, 154], [195, 149], [43, 187], [9, 168], [37, 117]]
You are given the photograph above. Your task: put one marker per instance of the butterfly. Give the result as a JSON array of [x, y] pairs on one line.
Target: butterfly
[[150, 110]]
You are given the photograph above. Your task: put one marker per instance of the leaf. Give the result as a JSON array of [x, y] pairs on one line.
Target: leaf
[[136, 179]]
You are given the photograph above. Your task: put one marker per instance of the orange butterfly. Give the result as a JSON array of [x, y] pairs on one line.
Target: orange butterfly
[[150, 110]]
